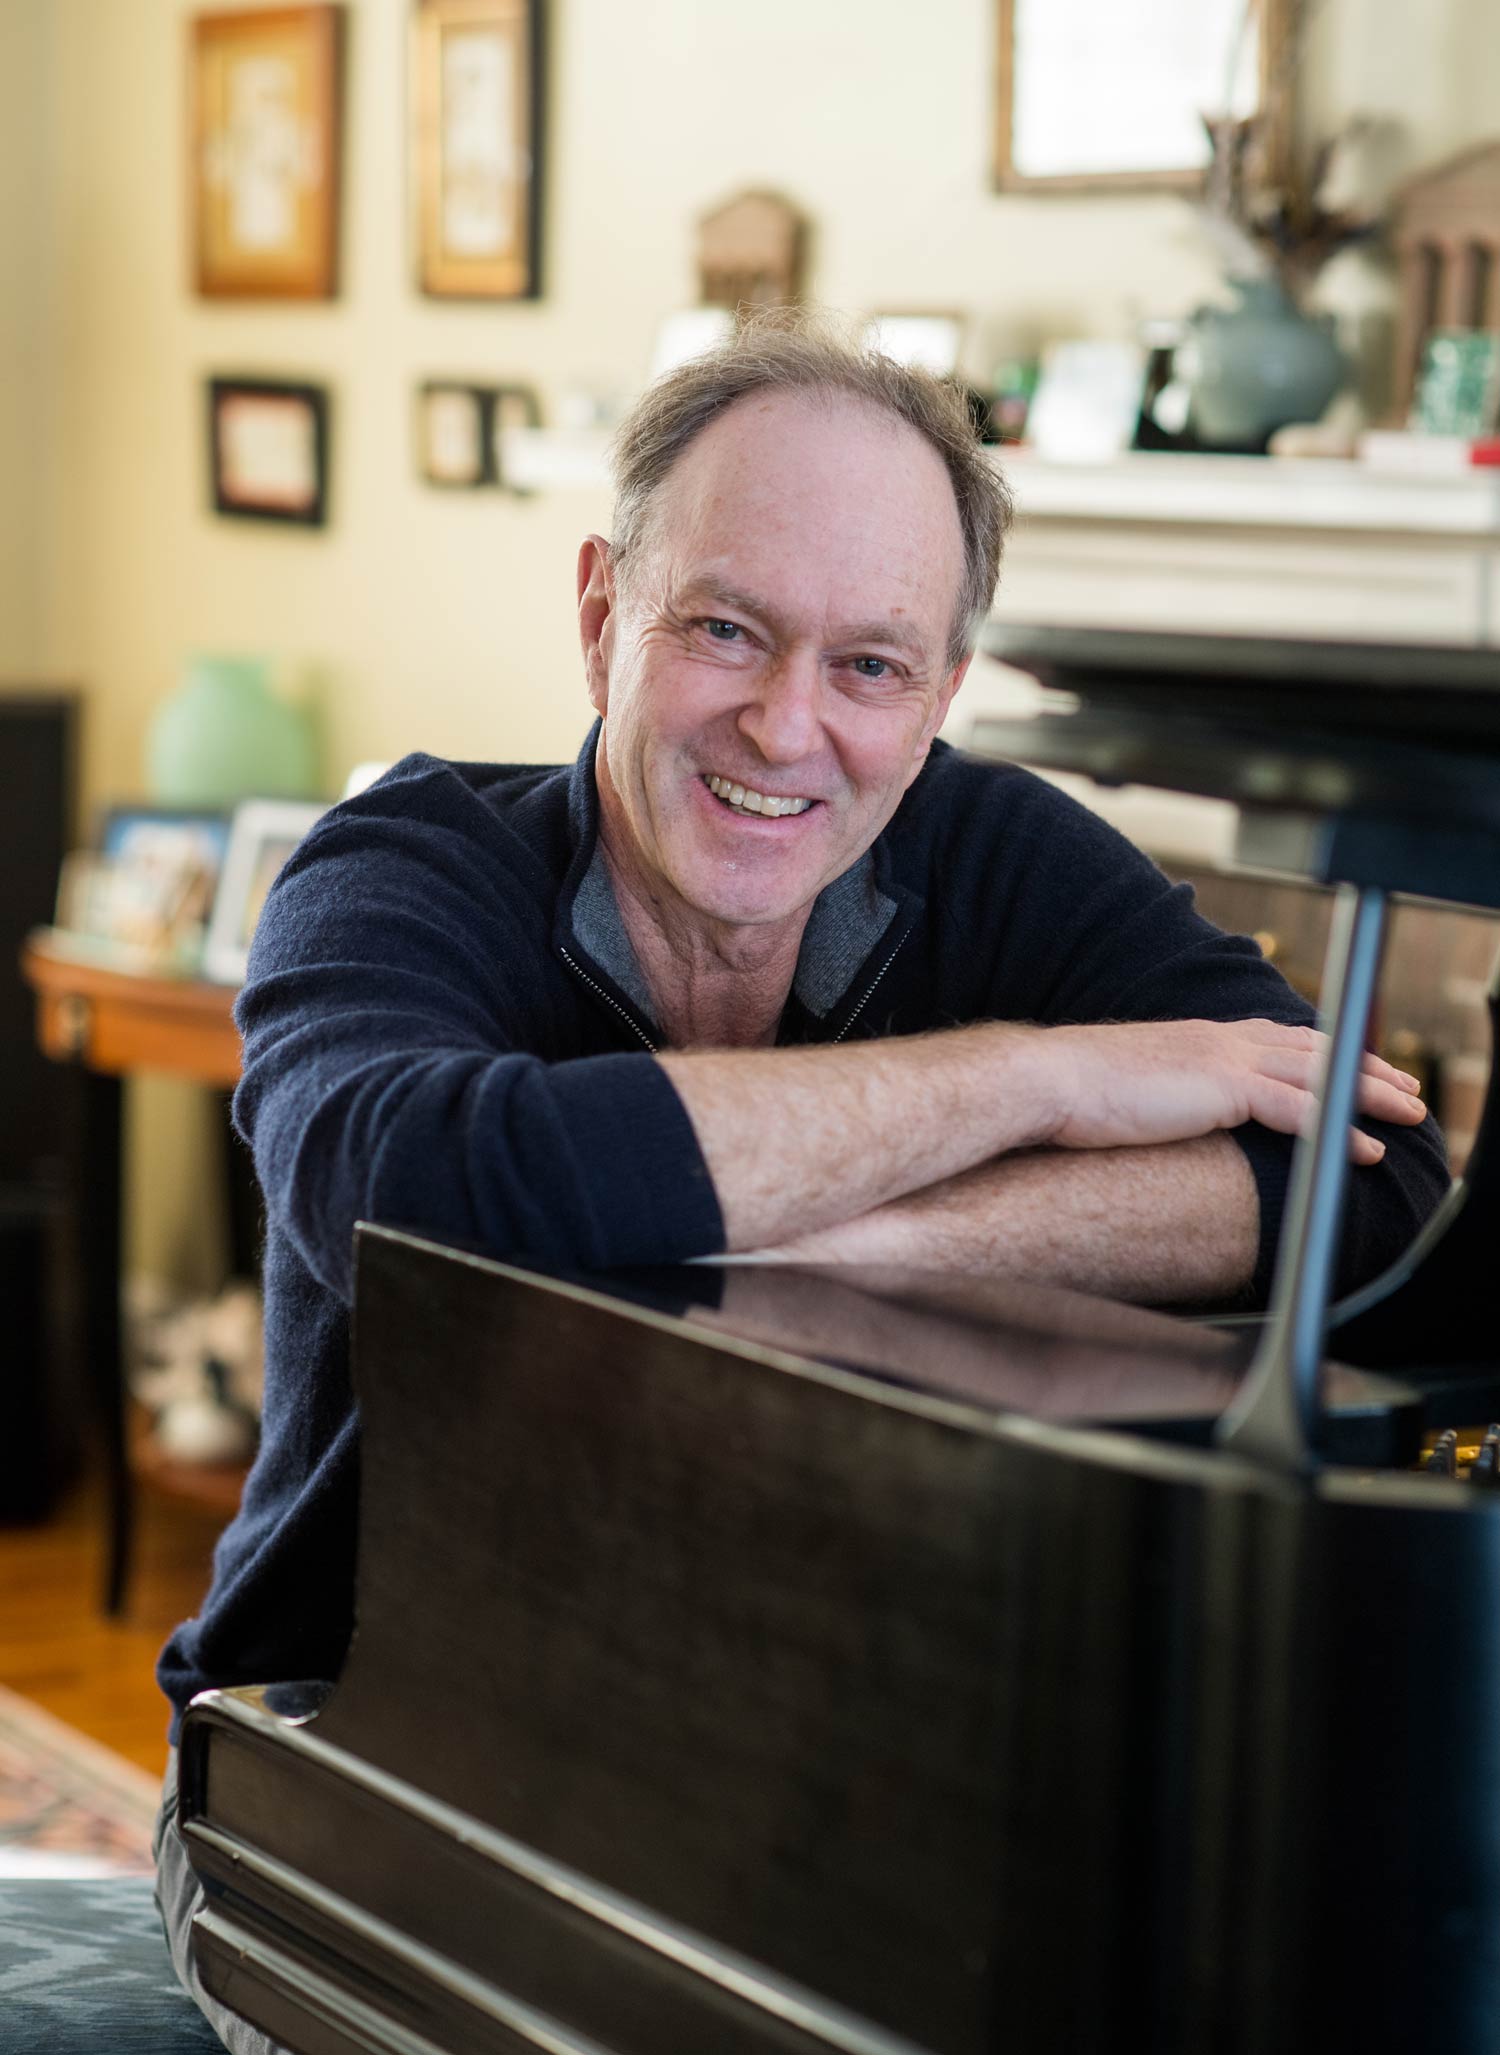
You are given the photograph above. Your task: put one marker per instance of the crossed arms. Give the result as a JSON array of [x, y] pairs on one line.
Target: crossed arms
[[1096, 1157], [417, 1053]]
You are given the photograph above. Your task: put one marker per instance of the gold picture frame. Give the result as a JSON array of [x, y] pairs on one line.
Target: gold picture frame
[[264, 171], [476, 116], [1273, 24]]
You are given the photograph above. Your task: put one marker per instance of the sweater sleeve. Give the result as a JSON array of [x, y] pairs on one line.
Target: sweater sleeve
[[397, 1069], [1096, 932]]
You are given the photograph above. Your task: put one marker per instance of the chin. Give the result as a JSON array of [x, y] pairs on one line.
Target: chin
[[752, 908]]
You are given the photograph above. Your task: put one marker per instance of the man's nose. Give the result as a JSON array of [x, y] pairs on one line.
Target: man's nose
[[783, 716]]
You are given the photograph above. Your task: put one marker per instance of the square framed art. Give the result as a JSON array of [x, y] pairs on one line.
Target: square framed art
[[476, 154], [268, 450], [264, 153]]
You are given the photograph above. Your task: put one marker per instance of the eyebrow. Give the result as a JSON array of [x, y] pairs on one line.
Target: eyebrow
[[896, 633]]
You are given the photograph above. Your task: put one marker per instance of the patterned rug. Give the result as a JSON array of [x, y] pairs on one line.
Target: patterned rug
[[84, 1971], [68, 1807]]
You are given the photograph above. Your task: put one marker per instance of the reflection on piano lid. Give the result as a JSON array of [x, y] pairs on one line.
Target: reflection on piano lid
[[1017, 1347]]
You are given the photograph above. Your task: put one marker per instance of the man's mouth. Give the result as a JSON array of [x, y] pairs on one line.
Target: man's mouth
[[742, 799]]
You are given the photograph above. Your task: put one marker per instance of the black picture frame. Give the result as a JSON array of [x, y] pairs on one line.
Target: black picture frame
[[275, 469], [490, 410], [439, 460]]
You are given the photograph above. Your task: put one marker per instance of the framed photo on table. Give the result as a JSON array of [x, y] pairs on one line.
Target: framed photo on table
[[264, 163], [141, 899], [262, 835], [268, 450], [476, 113]]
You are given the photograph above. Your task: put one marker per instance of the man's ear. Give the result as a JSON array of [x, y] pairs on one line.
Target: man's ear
[[596, 612], [938, 715]]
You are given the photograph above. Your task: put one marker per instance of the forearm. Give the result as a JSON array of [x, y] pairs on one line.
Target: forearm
[[1172, 1223], [797, 1140]]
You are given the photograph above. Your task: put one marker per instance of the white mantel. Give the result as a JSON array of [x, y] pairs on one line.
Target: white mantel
[[1166, 489], [1255, 545]]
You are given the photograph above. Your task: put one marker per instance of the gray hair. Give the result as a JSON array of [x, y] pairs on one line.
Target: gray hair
[[786, 350]]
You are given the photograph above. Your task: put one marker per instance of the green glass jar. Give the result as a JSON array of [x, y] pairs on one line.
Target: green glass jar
[[224, 735]]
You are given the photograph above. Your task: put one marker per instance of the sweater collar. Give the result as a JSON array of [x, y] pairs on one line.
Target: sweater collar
[[850, 918]]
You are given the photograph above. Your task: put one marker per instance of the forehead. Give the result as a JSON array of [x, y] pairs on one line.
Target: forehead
[[829, 505]]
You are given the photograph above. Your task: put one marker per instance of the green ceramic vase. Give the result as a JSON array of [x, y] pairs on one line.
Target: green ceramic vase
[[224, 735]]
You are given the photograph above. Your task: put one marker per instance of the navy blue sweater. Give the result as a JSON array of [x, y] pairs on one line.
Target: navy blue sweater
[[445, 1029]]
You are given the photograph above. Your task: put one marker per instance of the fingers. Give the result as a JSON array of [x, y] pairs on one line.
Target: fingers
[[1385, 1093], [1364, 1149], [1390, 1102], [1291, 1108], [1376, 1066], [1312, 1041]]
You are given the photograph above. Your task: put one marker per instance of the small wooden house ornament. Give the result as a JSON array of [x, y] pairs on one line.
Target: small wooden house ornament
[[750, 252]]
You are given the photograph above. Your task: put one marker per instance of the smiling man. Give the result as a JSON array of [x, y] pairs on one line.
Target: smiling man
[[769, 967]]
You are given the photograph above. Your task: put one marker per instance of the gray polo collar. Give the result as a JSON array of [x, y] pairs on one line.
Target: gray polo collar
[[847, 921]]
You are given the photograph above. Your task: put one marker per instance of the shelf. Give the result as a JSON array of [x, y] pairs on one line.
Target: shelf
[[215, 1486]]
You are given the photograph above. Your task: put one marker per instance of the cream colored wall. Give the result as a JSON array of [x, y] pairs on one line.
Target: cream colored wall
[[26, 273], [1431, 69], [445, 622], [440, 621]]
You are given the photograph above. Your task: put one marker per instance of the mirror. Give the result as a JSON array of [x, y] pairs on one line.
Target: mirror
[[1113, 92]]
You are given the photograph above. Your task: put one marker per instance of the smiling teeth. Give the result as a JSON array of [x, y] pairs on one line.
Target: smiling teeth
[[745, 801]]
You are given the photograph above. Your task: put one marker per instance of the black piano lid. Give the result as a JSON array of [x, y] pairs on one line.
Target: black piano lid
[[1400, 735], [1010, 1346], [1424, 692]]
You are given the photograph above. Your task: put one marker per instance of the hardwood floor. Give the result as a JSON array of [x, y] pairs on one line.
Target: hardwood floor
[[57, 1648]]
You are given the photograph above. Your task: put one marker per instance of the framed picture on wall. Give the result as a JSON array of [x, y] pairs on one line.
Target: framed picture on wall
[[454, 445], [1115, 97], [268, 450], [476, 111], [264, 153]]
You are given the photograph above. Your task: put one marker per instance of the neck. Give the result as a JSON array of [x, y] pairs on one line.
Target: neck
[[713, 984]]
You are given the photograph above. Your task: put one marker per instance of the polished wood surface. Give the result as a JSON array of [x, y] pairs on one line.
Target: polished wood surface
[[116, 1022], [57, 1649], [705, 1695]]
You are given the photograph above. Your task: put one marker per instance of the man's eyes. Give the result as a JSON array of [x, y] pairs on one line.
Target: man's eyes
[[875, 668]]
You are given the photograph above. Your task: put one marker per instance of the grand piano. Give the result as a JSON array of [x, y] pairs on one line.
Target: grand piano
[[752, 1659]]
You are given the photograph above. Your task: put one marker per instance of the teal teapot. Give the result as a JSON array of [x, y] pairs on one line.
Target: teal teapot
[[1254, 367]]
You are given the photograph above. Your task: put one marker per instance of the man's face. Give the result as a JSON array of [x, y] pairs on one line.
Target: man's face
[[783, 631]]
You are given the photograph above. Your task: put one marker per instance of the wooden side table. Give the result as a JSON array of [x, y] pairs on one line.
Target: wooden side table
[[106, 1025]]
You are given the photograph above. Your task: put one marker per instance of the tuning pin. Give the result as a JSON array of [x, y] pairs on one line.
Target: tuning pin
[[1443, 1458], [1485, 1469]]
